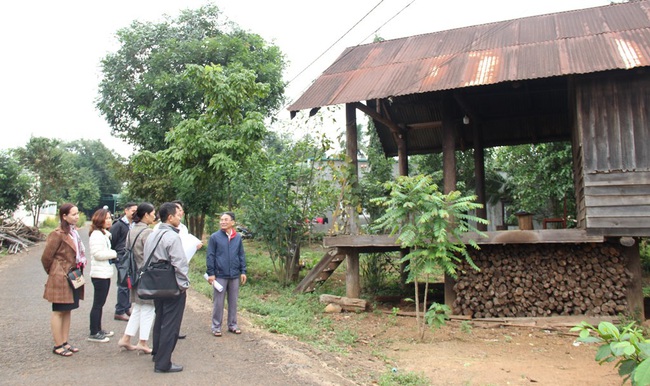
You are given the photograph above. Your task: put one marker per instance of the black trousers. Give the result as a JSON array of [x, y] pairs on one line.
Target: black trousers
[[101, 287], [169, 315]]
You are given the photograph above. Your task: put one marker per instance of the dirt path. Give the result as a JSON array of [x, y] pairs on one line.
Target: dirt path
[[450, 356], [253, 358]]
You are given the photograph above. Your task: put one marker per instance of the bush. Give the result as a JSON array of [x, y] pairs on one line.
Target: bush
[[50, 222], [627, 346]]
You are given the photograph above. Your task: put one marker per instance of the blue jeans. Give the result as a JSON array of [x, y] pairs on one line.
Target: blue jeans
[[123, 300]]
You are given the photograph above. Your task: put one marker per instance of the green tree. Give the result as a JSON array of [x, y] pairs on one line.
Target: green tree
[[51, 168], [466, 180], [15, 184], [100, 161], [144, 92], [430, 225], [380, 171], [205, 153], [84, 191], [539, 178], [280, 191]]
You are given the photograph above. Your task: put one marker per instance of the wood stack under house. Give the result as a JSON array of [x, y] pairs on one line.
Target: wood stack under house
[[580, 76]]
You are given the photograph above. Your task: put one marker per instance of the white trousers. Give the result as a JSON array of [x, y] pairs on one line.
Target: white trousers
[[142, 316]]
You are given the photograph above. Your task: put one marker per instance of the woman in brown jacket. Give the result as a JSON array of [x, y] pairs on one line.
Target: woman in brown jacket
[[63, 251]]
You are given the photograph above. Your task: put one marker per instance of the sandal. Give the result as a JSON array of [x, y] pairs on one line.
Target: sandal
[[70, 347], [234, 330], [64, 352], [216, 333]]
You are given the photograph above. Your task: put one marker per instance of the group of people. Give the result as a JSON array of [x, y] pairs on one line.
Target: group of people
[[108, 243]]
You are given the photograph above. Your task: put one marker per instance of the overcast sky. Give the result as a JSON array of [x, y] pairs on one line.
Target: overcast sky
[[49, 69]]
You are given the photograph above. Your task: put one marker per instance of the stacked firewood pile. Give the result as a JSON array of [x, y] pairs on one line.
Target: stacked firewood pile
[[15, 236], [543, 280]]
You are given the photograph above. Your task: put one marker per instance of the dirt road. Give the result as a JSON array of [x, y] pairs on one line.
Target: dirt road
[[253, 358]]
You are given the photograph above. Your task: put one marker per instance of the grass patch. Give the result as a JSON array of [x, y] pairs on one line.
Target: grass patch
[[394, 378], [276, 308]]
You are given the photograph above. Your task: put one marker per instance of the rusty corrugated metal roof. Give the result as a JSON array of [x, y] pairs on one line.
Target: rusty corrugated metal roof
[[573, 42]]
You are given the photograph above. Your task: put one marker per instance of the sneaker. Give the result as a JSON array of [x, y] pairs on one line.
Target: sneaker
[[98, 337], [107, 333]]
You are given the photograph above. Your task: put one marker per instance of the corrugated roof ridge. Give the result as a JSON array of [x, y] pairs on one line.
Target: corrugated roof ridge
[[642, 2]]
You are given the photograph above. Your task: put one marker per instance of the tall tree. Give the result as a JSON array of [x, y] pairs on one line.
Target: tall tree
[[51, 168], [204, 154], [14, 182], [100, 161], [143, 93]]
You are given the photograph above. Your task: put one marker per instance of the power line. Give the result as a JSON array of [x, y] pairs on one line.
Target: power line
[[358, 44], [338, 40]]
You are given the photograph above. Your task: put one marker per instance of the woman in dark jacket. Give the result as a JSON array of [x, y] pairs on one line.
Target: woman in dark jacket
[[63, 251]]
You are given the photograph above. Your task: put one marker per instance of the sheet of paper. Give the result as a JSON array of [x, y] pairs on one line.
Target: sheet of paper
[[189, 244]]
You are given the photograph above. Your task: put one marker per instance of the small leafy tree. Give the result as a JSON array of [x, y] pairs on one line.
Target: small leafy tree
[[279, 193], [15, 184], [628, 346], [430, 224], [51, 168]]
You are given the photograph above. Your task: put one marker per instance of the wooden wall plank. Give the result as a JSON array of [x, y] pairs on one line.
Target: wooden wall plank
[[618, 178], [617, 222], [627, 211], [615, 200]]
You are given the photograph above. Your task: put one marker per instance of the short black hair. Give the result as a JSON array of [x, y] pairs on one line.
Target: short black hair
[[231, 214], [130, 204], [167, 209], [178, 202]]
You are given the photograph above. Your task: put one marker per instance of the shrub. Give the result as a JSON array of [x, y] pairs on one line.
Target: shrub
[[628, 346]]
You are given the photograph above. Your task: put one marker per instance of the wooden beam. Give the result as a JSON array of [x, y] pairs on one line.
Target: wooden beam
[[479, 174], [399, 133], [352, 277], [449, 177], [352, 147], [635, 286], [539, 236]]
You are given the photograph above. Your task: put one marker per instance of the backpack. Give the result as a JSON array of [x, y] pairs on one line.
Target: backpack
[[126, 268]]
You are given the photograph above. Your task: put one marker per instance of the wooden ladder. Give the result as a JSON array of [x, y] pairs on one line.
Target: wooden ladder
[[322, 271]]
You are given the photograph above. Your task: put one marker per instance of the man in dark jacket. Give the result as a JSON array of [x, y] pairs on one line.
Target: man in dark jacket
[[119, 230], [226, 263]]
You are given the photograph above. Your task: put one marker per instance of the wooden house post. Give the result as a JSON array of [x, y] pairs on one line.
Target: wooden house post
[[449, 177], [403, 168], [352, 278], [635, 286], [479, 174]]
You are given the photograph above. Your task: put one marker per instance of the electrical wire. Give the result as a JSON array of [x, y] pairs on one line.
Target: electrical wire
[[337, 40], [358, 44]]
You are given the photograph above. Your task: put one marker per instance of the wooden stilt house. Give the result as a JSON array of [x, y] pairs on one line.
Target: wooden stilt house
[[581, 76]]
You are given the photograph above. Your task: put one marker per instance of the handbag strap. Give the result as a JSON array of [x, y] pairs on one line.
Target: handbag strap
[[146, 264], [136, 237]]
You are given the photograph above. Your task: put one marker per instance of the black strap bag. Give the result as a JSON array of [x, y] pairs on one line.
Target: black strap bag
[[126, 267], [157, 280]]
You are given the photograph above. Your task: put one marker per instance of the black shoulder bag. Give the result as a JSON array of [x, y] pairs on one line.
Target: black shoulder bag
[[157, 280], [126, 268]]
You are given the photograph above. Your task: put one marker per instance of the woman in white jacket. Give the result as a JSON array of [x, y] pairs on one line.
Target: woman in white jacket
[[101, 271]]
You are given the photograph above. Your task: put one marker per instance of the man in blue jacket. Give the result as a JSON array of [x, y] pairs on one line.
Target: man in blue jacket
[[226, 263]]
